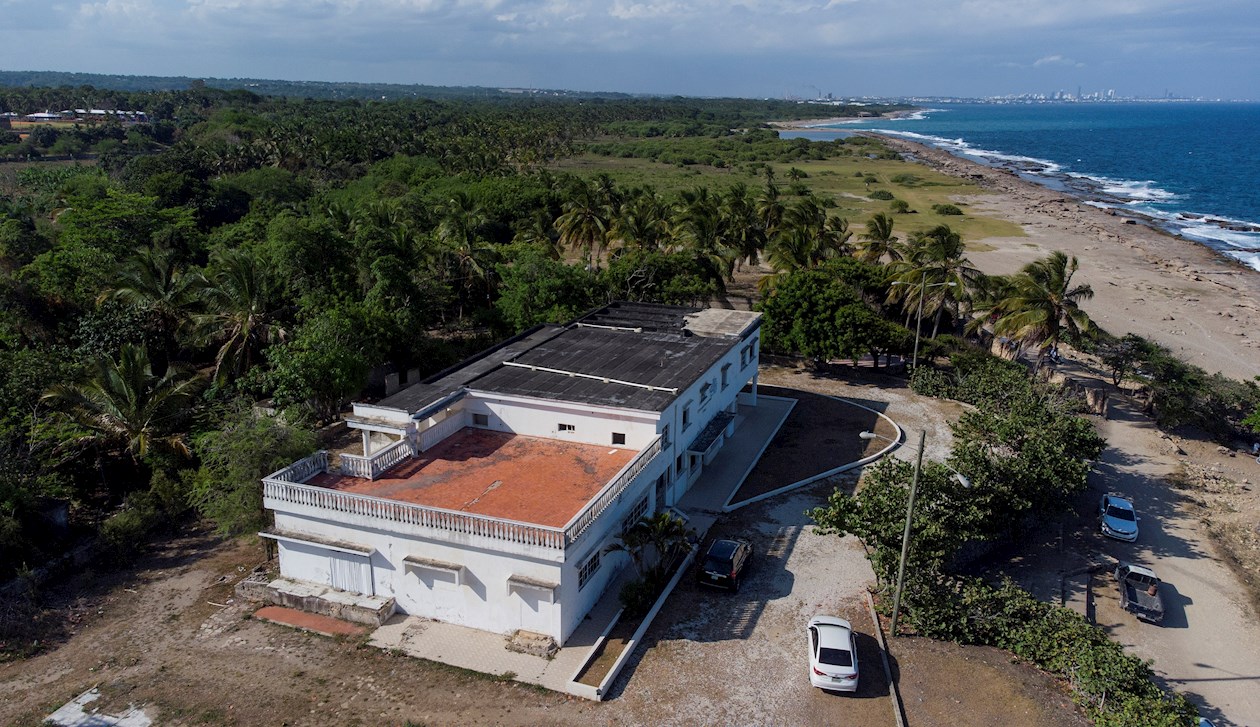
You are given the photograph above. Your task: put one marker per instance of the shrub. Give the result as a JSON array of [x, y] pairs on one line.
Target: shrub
[[899, 206], [881, 194], [946, 209], [906, 180], [637, 596]]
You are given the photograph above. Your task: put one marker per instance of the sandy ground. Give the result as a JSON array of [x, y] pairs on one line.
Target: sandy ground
[[1179, 293]]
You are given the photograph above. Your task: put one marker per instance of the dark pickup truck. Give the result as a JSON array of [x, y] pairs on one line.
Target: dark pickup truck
[[1139, 592]]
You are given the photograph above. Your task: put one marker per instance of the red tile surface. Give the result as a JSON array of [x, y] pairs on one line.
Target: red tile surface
[[326, 625], [498, 474]]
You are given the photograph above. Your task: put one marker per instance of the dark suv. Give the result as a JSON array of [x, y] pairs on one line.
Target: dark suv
[[724, 565]]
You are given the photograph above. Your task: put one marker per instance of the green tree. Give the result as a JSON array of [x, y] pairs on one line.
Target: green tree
[[879, 241], [234, 458], [324, 364], [536, 289], [241, 313], [1045, 306], [124, 406]]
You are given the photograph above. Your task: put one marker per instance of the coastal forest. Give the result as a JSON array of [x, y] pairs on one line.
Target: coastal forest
[[185, 302]]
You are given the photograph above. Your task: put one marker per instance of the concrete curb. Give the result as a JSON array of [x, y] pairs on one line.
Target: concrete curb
[[633, 644], [829, 473], [726, 506], [894, 694], [586, 691]]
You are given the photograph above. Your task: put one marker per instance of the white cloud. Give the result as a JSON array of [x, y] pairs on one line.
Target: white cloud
[[714, 46]]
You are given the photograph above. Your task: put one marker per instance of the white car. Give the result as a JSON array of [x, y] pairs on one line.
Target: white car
[[833, 660], [1118, 518]]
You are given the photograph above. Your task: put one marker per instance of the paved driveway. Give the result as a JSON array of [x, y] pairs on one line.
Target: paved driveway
[[723, 658]]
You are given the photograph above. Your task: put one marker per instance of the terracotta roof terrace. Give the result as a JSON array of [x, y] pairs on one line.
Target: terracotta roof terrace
[[496, 474]]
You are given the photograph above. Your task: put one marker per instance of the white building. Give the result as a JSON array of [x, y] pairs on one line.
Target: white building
[[486, 496]]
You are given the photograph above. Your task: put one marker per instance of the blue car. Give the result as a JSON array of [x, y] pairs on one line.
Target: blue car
[[1118, 518]]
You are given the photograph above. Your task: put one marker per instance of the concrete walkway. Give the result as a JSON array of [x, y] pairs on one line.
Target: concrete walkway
[[486, 652]]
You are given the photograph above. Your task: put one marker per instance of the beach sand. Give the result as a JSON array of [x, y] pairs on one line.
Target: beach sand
[[1199, 304]]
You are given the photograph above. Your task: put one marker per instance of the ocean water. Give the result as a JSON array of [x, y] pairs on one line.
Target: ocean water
[[1190, 168]]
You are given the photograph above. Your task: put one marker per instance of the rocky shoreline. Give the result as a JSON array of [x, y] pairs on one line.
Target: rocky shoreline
[[1182, 294]]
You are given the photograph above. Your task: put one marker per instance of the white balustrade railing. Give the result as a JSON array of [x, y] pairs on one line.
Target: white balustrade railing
[[286, 486], [441, 430], [371, 467], [610, 493], [410, 514], [303, 469]]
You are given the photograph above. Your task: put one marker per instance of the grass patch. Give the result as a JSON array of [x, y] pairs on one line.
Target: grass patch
[[841, 179]]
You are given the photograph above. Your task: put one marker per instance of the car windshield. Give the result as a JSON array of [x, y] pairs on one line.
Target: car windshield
[[1119, 513], [835, 657], [717, 565]]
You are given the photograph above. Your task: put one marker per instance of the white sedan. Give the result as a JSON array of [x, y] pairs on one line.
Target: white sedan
[[833, 662]]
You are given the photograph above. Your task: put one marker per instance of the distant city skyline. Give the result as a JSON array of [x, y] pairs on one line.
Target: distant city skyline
[[749, 48]]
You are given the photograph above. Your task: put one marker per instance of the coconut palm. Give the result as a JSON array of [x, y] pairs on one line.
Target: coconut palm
[[935, 268], [152, 281], [584, 223], [879, 241], [470, 258], [124, 405], [642, 221], [700, 231], [745, 232], [1044, 306], [240, 316]]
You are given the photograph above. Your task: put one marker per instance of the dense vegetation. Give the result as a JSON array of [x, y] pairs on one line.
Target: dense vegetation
[[1025, 454], [240, 250]]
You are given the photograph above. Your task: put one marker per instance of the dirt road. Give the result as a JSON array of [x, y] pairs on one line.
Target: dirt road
[[1209, 645]]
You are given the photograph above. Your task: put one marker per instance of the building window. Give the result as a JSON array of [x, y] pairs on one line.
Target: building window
[[588, 569], [636, 512], [665, 437], [619, 438], [686, 416], [568, 427], [481, 420], [706, 391], [744, 356], [726, 376], [678, 465]]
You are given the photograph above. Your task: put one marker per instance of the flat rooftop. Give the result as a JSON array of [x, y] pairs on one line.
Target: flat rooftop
[[625, 355], [496, 474]]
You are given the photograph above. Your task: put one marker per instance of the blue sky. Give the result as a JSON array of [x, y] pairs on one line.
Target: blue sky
[[751, 48]]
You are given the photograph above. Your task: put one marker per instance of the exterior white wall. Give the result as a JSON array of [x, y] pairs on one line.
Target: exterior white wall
[[482, 598], [542, 418], [743, 360], [382, 413]]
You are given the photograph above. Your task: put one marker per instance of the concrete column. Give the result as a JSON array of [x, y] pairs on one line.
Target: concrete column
[[367, 442]]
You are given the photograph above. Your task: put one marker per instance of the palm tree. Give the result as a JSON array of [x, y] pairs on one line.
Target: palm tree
[[642, 222], [739, 213], [584, 223], [665, 532], [239, 315], [879, 241], [1044, 305], [935, 267], [125, 405], [154, 282], [699, 228], [471, 258]]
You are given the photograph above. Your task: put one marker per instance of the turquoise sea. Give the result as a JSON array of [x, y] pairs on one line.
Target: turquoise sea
[[1190, 168]]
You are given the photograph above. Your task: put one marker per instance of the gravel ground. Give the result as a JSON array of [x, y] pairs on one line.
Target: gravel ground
[[741, 658]]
